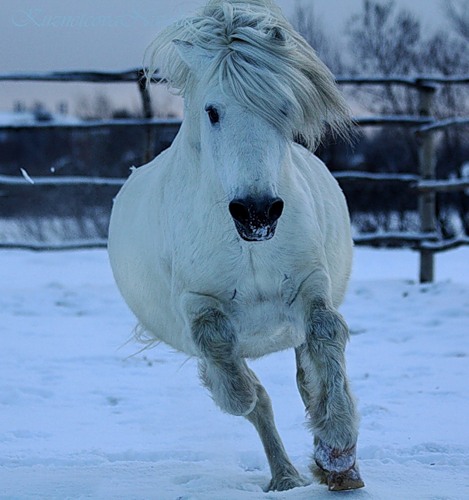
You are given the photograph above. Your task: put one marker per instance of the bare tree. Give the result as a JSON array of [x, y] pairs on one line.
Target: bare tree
[[102, 106], [458, 14], [385, 41], [455, 59], [98, 108], [310, 26]]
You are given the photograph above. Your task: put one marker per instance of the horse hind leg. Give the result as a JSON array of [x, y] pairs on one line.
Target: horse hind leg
[[324, 388], [236, 390]]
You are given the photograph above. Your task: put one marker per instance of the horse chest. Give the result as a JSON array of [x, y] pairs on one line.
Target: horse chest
[[264, 308], [262, 278]]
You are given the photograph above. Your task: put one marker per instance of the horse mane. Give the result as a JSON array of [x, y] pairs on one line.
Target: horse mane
[[262, 61]]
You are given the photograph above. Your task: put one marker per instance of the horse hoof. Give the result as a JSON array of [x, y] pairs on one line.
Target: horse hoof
[[348, 480], [340, 481], [337, 468]]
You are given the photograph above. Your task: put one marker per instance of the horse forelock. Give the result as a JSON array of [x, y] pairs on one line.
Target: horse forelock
[[261, 61]]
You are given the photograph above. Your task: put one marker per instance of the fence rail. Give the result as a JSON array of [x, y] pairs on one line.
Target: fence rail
[[427, 241], [128, 76], [93, 124], [136, 74], [417, 82]]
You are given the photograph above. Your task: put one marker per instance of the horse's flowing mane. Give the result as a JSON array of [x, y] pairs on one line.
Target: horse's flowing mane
[[260, 59]]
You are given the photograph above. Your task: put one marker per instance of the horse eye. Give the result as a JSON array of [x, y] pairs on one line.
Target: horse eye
[[213, 115]]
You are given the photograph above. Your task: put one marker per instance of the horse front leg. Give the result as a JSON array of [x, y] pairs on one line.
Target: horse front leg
[[236, 390], [324, 387], [284, 474], [221, 370]]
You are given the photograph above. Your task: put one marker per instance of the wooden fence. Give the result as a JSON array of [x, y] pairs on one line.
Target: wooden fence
[[427, 241]]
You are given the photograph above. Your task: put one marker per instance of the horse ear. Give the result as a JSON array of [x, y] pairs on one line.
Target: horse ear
[[195, 57]]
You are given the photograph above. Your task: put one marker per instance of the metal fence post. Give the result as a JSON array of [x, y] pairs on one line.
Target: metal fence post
[[427, 166]]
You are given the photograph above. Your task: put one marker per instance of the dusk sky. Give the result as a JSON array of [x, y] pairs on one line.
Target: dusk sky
[[46, 35]]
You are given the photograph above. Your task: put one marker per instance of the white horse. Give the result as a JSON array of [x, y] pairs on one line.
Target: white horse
[[235, 242]]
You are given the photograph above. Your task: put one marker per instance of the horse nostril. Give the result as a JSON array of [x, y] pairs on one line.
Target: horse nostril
[[256, 218], [256, 213], [239, 211], [275, 210]]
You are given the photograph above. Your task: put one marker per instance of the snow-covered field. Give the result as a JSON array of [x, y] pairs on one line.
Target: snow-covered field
[[84, 415]]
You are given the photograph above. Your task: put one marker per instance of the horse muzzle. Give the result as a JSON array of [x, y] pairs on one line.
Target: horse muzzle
[[256, 219]]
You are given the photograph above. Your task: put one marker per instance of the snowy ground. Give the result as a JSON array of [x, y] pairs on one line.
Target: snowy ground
[[80, 417]]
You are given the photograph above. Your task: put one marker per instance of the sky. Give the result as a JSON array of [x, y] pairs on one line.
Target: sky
[[47, 35]]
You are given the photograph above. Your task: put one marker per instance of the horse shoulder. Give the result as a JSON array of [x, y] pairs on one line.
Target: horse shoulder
[[332, 247], [136, 232]]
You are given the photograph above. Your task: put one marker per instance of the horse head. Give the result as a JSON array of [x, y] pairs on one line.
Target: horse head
[[243, 150], [251, 85]]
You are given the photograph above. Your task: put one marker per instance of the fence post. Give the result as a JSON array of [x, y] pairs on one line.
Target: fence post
[[427, 165], [148, 115]]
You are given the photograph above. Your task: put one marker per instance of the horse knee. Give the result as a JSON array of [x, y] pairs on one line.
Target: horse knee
[[213, 334], [326, 330], [221, 369]]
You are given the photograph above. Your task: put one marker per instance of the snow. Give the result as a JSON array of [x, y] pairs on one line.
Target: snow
[[75, 180], [29, 118], [20, 118], [83, 414], [26, 176]]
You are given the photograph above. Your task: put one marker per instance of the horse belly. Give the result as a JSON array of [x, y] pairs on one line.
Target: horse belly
[[264, 327]]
